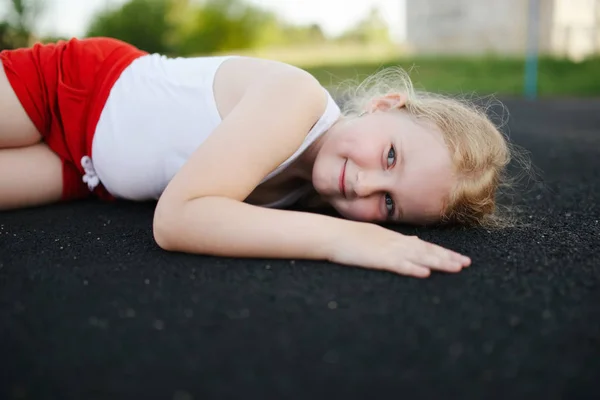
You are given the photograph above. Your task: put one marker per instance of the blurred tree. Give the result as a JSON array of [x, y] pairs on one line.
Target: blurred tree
[[52, 39], [5, 36], [194, 27], [303, 34], [142, 23], [217, 25], [372, 29], [17, 28]]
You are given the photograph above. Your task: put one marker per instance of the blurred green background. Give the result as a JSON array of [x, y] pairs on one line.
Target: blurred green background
[[206, 27]]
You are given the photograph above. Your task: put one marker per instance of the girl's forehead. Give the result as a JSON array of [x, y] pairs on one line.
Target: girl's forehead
[[408, 128]]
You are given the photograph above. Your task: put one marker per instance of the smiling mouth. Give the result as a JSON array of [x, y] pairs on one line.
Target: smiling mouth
[[342, 180]]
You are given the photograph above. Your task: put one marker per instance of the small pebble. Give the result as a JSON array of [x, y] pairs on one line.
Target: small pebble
[[331, 357], [488, 347], [332, 305], [456, 349], [98, 323], [19, 307], [182, 395], [159, 325], [475, 325], [488, 375]]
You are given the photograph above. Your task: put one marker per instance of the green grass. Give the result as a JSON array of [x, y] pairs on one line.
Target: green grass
[[332, 54], [483, 75], [333, 63]]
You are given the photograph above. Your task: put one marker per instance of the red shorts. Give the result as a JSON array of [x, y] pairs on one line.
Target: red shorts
[[63, 87]]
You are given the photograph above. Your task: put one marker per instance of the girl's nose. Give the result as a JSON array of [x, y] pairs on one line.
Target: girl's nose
[[370, 182]]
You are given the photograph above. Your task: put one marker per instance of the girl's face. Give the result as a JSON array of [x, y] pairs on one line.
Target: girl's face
[[384, 167]]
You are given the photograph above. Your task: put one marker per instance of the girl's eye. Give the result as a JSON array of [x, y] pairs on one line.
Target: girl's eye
[[391, 157], [389, 204]]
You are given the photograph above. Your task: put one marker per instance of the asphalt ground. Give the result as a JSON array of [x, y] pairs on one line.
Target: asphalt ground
[[91, 308]]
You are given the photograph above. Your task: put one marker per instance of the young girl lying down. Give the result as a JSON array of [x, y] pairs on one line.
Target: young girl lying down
[[226, 144]]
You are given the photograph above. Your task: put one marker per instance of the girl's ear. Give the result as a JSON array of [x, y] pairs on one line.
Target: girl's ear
[[388, 102]]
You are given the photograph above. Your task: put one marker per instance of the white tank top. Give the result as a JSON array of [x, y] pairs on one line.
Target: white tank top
[[158, 112]]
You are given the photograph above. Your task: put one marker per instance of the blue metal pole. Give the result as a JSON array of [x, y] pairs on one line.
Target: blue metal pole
[[531, 62]]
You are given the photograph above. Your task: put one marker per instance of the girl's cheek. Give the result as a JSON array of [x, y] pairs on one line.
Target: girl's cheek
[[364, 211]]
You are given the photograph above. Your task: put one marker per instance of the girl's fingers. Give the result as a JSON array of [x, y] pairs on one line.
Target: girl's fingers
[[413, 269], [444, 253], [437, 262]]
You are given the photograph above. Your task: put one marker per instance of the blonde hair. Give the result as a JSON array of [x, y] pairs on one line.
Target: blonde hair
[[479, 150]]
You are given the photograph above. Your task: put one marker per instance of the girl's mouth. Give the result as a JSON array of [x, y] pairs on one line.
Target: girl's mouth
[[342, 180]]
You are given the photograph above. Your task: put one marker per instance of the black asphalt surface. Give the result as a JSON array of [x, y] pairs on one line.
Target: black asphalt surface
[[91, 308]]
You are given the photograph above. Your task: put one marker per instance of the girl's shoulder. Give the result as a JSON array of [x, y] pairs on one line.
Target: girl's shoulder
[[239, 74]]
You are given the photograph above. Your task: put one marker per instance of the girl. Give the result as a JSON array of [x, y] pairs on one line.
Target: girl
[[225, 144]]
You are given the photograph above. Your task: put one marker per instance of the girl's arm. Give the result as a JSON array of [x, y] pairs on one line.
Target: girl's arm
[[225, 227], [202, 209]]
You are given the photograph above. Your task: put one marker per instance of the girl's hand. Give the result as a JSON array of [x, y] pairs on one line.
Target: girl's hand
[[372, 246]]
